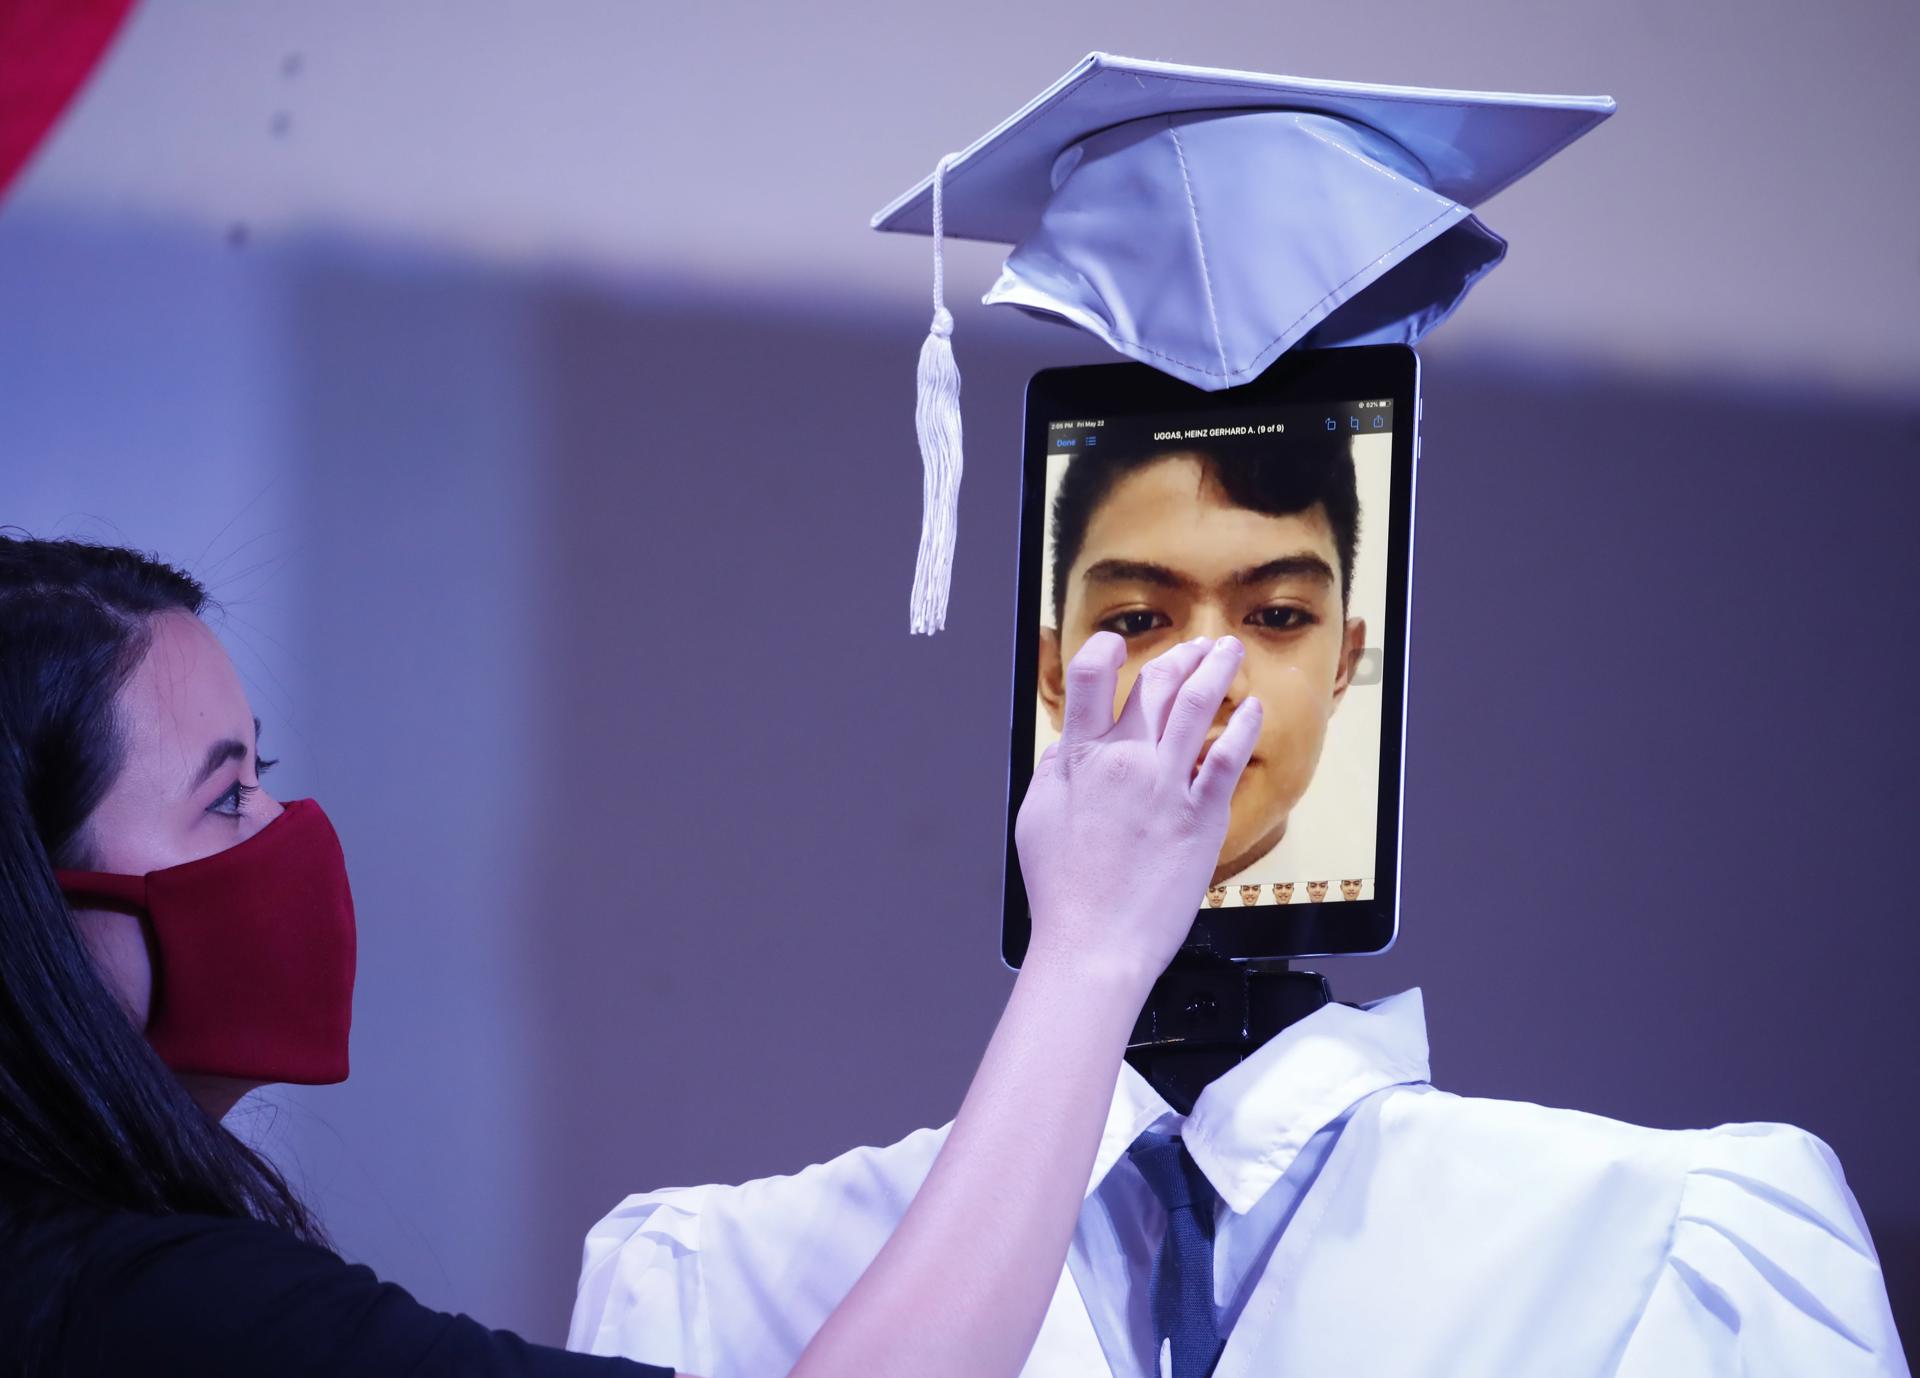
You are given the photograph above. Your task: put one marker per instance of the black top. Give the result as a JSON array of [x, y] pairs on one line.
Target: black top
[[196, 1295]]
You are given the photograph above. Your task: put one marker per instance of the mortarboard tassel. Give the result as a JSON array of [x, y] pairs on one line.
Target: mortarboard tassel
[[937, 419]]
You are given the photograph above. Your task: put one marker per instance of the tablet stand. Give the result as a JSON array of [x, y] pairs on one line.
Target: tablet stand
[[1206, 1014]]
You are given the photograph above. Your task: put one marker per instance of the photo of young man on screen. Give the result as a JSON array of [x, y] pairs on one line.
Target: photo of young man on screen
[[1244, 538]]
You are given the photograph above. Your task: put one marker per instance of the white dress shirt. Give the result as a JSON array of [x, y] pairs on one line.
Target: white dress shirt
[[1369, 1224]]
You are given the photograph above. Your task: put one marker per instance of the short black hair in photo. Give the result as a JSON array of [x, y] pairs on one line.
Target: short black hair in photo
[[1310, 474]]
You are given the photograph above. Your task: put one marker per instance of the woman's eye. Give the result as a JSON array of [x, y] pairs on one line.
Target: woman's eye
[[1281, 618], [233, 802], [1138, 622]]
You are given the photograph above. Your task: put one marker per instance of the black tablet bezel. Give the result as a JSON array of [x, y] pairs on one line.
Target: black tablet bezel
[[1300, 929]]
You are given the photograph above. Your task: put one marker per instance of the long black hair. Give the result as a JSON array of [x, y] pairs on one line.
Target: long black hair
[[89, 1115]]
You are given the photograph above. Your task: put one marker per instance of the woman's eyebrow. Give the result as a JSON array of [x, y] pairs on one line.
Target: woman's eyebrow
[[227, 749]]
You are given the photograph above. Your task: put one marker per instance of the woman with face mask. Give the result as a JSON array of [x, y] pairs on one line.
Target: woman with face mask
[[171, 936]]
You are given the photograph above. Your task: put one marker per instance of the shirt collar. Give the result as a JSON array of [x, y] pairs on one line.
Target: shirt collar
[[1249, 1125]]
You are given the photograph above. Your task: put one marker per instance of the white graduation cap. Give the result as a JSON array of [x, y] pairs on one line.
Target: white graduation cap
[[1206, 221]]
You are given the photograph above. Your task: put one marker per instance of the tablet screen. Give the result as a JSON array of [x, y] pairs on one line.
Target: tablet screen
[[1271, 520]]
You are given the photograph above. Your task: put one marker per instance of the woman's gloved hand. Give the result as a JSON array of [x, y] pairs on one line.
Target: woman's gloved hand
[[1118, 837], [1119, 833]]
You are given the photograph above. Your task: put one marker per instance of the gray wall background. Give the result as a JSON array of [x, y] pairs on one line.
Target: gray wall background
[[570, 575]]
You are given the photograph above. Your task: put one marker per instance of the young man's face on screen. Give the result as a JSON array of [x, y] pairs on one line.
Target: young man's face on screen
[[1168, 556]]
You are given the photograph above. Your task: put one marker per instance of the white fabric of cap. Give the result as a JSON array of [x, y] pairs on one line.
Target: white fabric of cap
[[1208, 244]]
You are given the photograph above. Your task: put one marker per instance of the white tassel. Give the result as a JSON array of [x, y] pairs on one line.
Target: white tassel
[[937, 419]]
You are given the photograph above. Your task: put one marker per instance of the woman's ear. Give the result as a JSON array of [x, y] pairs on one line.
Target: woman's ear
[[1053, 682], [118, 945]]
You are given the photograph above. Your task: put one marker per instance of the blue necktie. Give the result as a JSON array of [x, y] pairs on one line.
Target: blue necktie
[[1182, 1288]]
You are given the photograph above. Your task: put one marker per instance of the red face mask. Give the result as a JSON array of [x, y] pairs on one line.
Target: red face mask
[[252, 952]]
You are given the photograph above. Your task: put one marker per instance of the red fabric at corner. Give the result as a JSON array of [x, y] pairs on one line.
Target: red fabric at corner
[[47, 48]]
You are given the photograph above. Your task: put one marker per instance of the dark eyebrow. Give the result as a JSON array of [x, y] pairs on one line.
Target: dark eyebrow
[[219, 754], [1305, 566], [1287, 567], [1133, 572]]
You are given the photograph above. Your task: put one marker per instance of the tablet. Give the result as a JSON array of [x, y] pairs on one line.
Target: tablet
[[1280, 511]]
